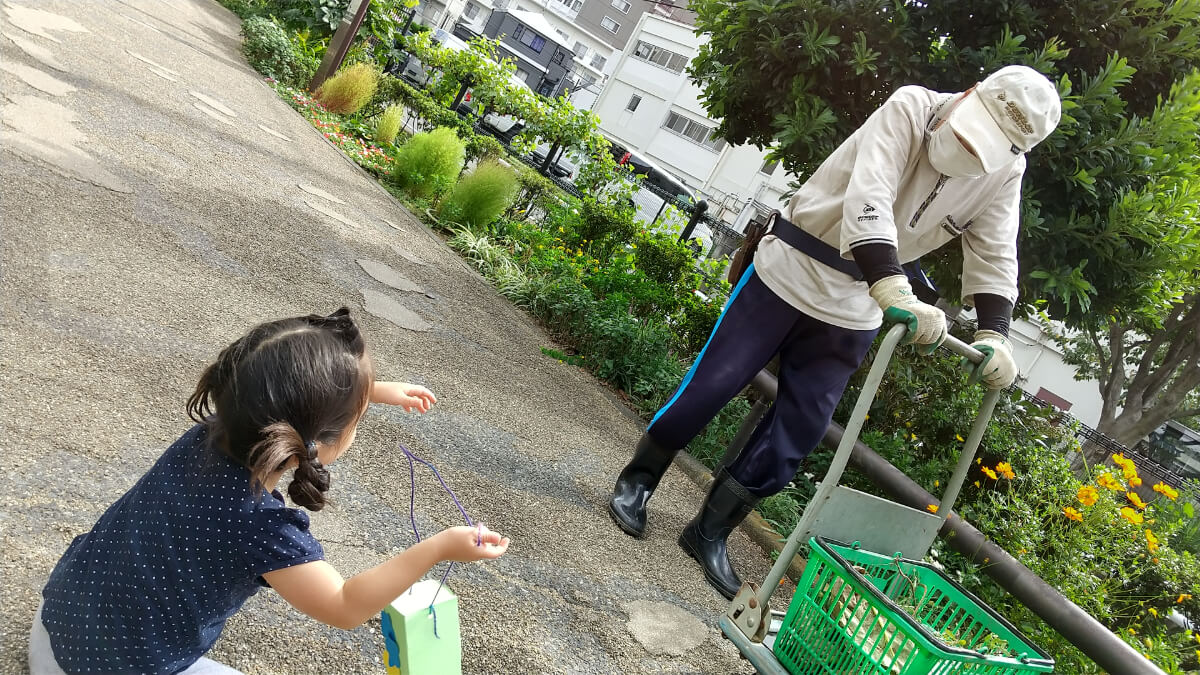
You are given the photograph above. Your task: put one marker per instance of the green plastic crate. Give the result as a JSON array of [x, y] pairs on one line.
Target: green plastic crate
[[862, 613]]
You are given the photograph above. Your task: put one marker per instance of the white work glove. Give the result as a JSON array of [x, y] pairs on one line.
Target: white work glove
[[926, 323], [998, 369]]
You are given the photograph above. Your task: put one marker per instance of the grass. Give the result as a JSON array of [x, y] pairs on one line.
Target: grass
[[349, 89]]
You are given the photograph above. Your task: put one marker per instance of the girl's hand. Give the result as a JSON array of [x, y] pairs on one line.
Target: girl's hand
[[468, 544], [411, 397]]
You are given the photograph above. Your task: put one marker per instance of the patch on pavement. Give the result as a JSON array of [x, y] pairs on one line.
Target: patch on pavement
[[409, 256], [386, 275], [36, 52], [320, 193], [139, 22], [385, 307], [663, 628], [211, 113], [38, 79], [213, 103], [274, 133], [37, 22], [321, 208], [46, 130], [156, 68]]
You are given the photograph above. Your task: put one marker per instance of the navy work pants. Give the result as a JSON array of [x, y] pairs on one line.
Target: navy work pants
[[816, 361]]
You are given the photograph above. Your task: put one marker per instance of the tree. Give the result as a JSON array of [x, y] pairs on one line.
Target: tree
[[1109, 242], [1144, 381]]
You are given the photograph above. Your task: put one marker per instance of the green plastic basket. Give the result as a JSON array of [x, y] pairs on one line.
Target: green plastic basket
[[857, 612]]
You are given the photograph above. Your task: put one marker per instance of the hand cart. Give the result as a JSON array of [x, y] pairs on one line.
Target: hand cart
[[843, 514]]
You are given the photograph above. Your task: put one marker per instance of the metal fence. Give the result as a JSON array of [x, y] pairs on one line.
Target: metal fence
[[1095, 448]]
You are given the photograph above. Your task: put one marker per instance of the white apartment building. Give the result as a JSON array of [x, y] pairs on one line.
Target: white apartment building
[[650, 105]]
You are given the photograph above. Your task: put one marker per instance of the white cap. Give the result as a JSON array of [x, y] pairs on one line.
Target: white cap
[[1006, 115]]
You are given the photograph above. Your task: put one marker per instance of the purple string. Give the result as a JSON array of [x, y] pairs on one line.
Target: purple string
[[412, 510]]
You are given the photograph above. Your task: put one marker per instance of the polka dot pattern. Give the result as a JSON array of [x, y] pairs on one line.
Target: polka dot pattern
[[149, 589]]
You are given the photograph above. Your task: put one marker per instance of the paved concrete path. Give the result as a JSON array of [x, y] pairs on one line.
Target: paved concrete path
[[158, 199]]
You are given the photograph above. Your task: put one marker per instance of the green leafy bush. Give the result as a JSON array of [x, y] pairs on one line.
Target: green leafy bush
[[245, 9], [605, 223], [427, 165], [349, 89], [269, 51], [665, 259], [317, 15], [536, 191], [481, 147], [480, 197], [388, 124]]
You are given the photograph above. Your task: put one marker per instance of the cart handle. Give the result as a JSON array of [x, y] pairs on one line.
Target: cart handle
[[974, 356]]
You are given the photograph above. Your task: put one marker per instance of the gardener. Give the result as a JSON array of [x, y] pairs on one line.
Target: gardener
[[924, 169]]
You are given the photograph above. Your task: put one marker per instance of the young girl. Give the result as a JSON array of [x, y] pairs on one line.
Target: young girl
[[148, 590]]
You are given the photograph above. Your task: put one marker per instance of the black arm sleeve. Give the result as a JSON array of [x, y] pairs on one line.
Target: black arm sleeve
[[994, 312], [876, 261]]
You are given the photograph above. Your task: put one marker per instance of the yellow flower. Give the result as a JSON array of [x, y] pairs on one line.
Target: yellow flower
[[1153, 611], [989, 473], [1131, 515], [1181, 598], [1005, 469], [932, 508], [867, 417], [908, 425], [1151, 541], [976, 483], [1135, 481], [914, 436], [979, 460], [960, 438], [1073, 514], [1136, 500], [1107, 481], [937, 483], [1168, 492], [1129, 472], [1087, 495]]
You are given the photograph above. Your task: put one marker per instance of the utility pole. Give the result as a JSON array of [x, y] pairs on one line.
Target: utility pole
[[340, 44]]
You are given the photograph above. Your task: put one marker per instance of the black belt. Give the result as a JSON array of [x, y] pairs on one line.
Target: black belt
[[809, 245]]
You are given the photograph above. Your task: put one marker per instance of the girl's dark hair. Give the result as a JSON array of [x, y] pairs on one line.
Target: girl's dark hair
[[279, 390]]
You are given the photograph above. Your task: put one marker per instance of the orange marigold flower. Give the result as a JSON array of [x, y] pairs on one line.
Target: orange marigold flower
[[932, 508], [1005, 469], [1073, 514], [1136, 500], [1106, 480], [1087, 495], [1135, 481], [989, 473], [1182, 597], [1151, 541], [1166, 491], [1131, 515]]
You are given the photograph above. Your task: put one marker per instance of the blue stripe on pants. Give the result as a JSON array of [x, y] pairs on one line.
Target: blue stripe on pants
[[699, 357], [816, 361]]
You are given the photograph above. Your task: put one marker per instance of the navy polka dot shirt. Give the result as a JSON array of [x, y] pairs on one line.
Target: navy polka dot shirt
[[148, 590]]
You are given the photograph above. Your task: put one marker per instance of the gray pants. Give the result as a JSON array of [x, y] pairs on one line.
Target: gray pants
[[41, 658]]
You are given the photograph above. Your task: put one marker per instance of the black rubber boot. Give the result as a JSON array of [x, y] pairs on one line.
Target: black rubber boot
[[727, 505], [636, 484]]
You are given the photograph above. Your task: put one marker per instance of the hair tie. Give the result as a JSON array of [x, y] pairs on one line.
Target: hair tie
[[311, 446]]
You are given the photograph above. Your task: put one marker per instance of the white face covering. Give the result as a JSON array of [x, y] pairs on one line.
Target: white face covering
[[949, 156]]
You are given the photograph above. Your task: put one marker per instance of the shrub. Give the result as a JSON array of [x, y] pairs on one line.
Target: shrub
[[481, 147], [481, 196], [389, 124], [429, 163], [537, 191], [664, 258], [269, 51], [349, 89], [610, 224]]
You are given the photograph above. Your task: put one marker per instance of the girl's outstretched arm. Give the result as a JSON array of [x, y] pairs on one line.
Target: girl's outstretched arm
[[317, 589], [411, 397]]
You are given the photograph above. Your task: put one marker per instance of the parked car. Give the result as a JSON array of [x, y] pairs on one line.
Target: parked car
[[565, 165], [414, 71]]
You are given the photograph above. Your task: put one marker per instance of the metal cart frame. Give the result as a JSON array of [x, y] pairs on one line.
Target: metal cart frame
[[842, 513]]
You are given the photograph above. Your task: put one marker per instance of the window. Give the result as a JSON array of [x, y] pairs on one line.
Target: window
[[471, 11], [633, 103], [522, 75], [768, 167], [598, 62], [694, 131], [546, 88], [663, 58], [529, 39], [610, 25], [565, 38], [580, 49], [558, 56], [570, 5], [621, 5]]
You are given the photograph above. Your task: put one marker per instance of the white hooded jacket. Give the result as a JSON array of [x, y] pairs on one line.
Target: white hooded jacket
[[878, 186]]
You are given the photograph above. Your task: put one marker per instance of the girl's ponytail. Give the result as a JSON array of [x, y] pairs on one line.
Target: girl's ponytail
[[280, 443]]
